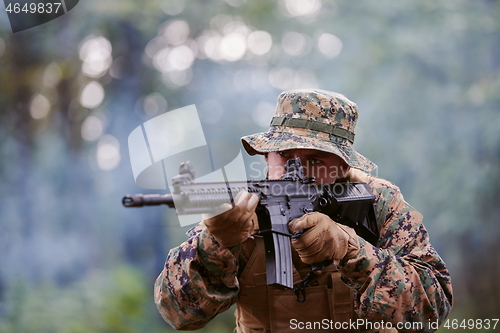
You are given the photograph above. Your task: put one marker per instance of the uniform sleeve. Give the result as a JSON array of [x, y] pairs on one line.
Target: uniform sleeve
[[198, 281], [403, 279]]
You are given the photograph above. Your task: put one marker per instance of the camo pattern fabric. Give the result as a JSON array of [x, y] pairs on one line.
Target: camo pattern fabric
[[319, 105], [315, 105], [401, 280], [199, 281]]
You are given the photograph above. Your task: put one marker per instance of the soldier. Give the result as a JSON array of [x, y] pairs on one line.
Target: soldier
[[401, 284]]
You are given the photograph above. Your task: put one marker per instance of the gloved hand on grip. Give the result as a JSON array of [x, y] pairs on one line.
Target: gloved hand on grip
[[233, 225], [323, 239]]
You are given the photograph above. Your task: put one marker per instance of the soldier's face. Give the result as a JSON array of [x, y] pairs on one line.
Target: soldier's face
[[325, 167]]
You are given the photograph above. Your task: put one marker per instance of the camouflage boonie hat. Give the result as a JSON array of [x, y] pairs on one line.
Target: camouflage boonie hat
[[311, 119]]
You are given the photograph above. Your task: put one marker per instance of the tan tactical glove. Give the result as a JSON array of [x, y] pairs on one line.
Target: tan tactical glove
[[233, 225], [324, 239]]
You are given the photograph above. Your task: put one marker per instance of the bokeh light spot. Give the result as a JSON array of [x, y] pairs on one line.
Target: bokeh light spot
[[259, 42], [39, 107], [92, 128], [92, 95], [330, 45], [108, 153]]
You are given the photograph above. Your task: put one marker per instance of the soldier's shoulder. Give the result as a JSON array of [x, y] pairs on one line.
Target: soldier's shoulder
[[383, 186], [377, 184], [196, 230]]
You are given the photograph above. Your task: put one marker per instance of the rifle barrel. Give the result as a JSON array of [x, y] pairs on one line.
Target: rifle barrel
[[139, 200]]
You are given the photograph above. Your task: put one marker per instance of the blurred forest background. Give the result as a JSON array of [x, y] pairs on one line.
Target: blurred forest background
[[424, 73]]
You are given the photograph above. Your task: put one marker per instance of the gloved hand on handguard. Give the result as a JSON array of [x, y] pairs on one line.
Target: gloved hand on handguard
[[233, 225]]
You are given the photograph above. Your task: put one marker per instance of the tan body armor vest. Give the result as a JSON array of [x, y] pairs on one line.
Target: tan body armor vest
[[263, 309], [267, 309]]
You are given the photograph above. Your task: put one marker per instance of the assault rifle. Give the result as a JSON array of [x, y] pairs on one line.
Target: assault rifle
[[280, 201]]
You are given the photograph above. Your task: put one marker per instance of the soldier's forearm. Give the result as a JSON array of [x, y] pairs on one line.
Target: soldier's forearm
[[189, 291]]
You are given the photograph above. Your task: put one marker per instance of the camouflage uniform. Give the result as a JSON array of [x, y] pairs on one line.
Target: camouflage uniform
[[401, 280]]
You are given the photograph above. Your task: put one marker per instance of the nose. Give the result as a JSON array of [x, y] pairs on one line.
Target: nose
[[297, 154]]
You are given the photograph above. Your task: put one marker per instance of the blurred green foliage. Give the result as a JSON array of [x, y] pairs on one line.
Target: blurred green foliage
[[111, 301], [425, 75], [114, 300]]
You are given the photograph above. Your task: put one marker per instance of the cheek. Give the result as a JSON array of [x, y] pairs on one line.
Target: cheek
[[276, 173], [276, 167]]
